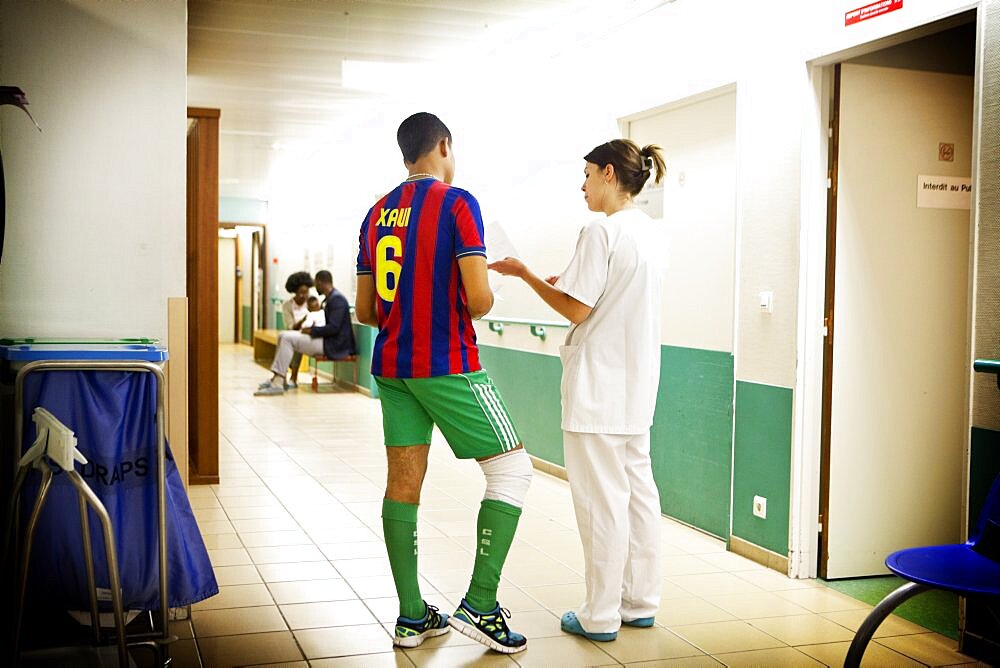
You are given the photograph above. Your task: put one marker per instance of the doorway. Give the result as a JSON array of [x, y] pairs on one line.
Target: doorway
[[229, 293], [895, 358], [241, 281]]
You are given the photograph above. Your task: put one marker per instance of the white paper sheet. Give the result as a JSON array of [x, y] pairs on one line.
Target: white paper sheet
[[498, 246]]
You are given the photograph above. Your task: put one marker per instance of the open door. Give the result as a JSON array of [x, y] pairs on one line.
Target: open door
[[202, 290], [897, 331], [258, 279]]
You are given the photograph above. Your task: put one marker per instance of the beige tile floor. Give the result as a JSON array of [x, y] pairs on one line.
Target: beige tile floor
[[294, 534]]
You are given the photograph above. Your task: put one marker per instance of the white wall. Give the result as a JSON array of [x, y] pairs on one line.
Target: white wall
[[96, 201], [522, 126]]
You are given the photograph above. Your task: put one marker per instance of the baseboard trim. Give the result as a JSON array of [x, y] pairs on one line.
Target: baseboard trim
[[548, 467], [198, 479], [762, 556], [340, 382]]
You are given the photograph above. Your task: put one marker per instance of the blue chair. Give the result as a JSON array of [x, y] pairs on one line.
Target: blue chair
[[970, 569]]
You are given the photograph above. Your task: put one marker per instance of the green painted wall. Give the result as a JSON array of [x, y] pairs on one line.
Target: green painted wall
[[245, 334], [762, 463], [691, 435], [691, 438], [364, 339], [984, 467], [529, 385]]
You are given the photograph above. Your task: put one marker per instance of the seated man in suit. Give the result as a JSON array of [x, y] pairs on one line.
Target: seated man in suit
[[335, 339]]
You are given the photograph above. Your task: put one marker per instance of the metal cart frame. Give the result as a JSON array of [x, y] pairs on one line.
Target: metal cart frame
[[157, 641]]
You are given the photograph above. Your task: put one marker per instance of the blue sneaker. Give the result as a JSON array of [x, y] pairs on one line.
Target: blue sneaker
[[488, 628], [412, 632], [570, 624]]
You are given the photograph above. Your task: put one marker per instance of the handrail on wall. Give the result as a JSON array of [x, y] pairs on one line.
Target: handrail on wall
[[988, 366], [537, 327]]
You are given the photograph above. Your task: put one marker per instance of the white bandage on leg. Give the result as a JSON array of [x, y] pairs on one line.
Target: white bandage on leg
[[508, 477]]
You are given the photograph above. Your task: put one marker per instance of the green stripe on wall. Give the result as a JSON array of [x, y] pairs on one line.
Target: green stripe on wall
[[364, 341], [245, 335], [762, 461], [529, 385], [691, 438]]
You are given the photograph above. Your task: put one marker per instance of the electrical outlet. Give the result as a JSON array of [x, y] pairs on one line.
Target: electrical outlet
[[760, 507]]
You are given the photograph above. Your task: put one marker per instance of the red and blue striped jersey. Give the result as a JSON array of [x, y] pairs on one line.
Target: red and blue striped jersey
[[410, 243]]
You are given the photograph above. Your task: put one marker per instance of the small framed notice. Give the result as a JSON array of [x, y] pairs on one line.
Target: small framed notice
[[944, 192]]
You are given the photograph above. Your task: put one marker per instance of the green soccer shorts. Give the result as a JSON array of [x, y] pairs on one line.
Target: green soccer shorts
[[466, 407]]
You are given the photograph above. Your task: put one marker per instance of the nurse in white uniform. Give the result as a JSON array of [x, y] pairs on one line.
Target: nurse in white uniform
[[611, 367]]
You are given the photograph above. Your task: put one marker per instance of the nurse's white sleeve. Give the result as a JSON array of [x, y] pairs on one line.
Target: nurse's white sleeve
[[587, 274]]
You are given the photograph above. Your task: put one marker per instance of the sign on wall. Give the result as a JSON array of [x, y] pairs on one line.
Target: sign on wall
[[871, 10], [944, 192]]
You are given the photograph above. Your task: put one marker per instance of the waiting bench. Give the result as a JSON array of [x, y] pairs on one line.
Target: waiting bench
[[265, 345]]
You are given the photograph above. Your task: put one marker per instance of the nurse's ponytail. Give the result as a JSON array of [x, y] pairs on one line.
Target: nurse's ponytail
[[633, 166]]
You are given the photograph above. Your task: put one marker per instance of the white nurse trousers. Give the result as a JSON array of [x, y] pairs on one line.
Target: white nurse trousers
[[618, 513]]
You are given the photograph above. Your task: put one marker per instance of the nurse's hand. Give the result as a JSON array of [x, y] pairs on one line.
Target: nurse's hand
[[551, 280], [509, 266]]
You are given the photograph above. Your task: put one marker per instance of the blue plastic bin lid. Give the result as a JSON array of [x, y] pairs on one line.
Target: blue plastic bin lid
[[32, 350]]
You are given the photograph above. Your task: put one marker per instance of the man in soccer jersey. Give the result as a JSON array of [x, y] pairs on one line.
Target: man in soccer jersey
[[421, 281]]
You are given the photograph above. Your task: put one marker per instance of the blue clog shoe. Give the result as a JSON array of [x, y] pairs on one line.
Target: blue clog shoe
[[570, 624], [641, 622]]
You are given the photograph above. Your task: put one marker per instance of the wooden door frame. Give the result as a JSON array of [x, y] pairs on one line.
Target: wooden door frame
[[202, 290], [828, 327], [259, 309], [238, 279]]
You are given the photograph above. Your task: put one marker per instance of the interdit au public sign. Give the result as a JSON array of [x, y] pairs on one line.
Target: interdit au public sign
[[872, 10]]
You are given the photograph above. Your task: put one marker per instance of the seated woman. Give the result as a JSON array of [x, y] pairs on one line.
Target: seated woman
[[294, 311]]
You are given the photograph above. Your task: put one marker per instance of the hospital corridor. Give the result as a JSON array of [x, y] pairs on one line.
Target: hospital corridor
[[528, 333]]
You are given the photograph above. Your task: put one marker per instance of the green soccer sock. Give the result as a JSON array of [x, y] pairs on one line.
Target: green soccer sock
[[496, 526], [399, 522]]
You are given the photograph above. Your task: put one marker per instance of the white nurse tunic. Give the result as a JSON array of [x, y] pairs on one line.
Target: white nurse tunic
[[611, 360]]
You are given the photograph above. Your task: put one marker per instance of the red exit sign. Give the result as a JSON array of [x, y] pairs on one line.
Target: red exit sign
[[871, 11]]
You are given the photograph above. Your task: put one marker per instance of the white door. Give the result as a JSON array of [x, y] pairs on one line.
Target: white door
[[900, 319], [227, 289], [698, 200]]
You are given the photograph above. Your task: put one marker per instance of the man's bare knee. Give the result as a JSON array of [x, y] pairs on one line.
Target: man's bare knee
[[407, 468]]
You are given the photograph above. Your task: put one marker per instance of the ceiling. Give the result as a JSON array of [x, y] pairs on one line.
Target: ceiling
[[275, 67]]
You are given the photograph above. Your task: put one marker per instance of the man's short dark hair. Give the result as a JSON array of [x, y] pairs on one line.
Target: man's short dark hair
[[419, 134], [297, 280], [325, 276]]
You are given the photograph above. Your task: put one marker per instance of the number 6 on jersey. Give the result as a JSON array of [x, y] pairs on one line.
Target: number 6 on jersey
[[386, 267]]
